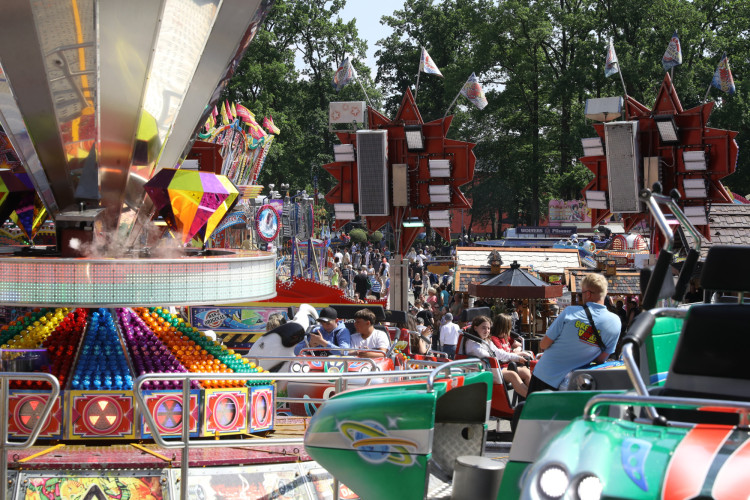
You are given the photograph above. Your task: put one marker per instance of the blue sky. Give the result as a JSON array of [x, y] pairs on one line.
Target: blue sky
[[367, 14]]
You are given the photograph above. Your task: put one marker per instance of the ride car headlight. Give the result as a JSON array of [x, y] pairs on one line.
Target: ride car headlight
[[305, 368], [553, 481], [584, 382], [589, 488], [365, 369], [296, 367]]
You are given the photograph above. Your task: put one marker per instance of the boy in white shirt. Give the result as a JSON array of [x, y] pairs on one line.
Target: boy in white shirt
[[367, 337]]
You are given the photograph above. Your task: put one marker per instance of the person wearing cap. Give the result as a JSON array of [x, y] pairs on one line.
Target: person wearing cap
[[329, 333], [449, 332]]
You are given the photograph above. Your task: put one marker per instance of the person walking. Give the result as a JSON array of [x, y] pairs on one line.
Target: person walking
[[449, 332]]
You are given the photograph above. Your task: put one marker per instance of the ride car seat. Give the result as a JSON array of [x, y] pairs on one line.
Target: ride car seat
[[502, 404], [711, 357]]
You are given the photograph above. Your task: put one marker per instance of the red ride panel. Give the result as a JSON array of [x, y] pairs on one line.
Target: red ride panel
[[692, 459]]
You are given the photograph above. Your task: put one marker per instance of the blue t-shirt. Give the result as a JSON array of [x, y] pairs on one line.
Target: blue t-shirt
[[573, 345], [339, 337]]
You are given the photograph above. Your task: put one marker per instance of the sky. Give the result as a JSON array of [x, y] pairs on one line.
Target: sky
[[367, 14]]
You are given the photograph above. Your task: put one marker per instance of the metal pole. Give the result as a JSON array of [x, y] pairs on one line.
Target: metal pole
[[4, 431], [185, 465]]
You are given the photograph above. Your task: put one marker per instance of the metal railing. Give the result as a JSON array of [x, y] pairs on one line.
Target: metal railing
[[5, 444], [184, 442]]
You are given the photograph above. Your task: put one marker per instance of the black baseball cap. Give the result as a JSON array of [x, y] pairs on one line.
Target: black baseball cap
[[328, 314]]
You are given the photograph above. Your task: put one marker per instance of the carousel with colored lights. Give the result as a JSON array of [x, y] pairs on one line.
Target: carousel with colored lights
[[99, 107]]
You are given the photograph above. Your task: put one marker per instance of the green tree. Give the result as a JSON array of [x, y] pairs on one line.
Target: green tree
[[267, 82], [358, 235]]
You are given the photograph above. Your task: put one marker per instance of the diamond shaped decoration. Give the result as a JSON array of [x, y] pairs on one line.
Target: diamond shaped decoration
[[192, 203]]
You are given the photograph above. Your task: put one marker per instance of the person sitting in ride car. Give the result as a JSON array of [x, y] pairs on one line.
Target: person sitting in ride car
[[328, 333], [500, 338], [577, 337], [480, 327], [373, 343]]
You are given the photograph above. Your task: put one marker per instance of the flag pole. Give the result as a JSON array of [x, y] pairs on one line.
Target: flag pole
[[619, 72], [419, 70], [705, 98], [452, 103], [363, 90]]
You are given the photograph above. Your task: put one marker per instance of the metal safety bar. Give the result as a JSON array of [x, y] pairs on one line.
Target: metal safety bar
[[631, 366], [5, 378], [589, 411], [449, 366]]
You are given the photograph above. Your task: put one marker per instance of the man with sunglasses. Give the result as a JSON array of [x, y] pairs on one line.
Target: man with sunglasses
[[580, 335]]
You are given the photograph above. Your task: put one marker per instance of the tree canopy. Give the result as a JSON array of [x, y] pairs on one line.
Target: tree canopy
[[538, 61]]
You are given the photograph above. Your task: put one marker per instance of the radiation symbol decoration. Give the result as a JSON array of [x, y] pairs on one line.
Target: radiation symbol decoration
[[102, 415], [29, 412], [267, 223], [169, 413]]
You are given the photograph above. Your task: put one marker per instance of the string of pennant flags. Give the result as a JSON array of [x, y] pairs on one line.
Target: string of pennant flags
[[722, 78], [472, 89], [245, 142]]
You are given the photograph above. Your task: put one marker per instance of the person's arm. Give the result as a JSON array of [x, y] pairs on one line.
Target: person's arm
[[545, 343], [474, 349], [344, 339], [506, 357], [552, 333], [601, 358]]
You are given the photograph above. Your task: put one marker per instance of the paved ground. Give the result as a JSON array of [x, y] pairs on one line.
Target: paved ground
[[495, 450]]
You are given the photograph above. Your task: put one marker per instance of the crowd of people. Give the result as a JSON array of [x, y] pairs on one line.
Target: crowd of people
[[363, 271]]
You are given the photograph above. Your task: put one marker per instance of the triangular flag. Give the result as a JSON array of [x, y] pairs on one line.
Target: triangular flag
[[244, 113], [224, 114], [472, 89], [673, 55], [344, 74], [270, 125], [427, 65], [611, 66], [723, 79], [229, 111]]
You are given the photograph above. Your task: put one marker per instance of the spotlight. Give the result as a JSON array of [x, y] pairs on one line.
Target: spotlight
[[440, 218], [343, 152], [440, 168], [344, 211], [596, 199], [696, 215], [695, 188], [414, 137], [440, 194], [413, 222], [668, 131], [592, 146], [694, 160]]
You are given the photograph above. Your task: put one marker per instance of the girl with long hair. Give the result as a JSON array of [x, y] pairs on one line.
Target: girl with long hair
[[484, 348]]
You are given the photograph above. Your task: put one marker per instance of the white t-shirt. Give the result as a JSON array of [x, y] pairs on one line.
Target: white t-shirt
[[377, 340], [449, 334]]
